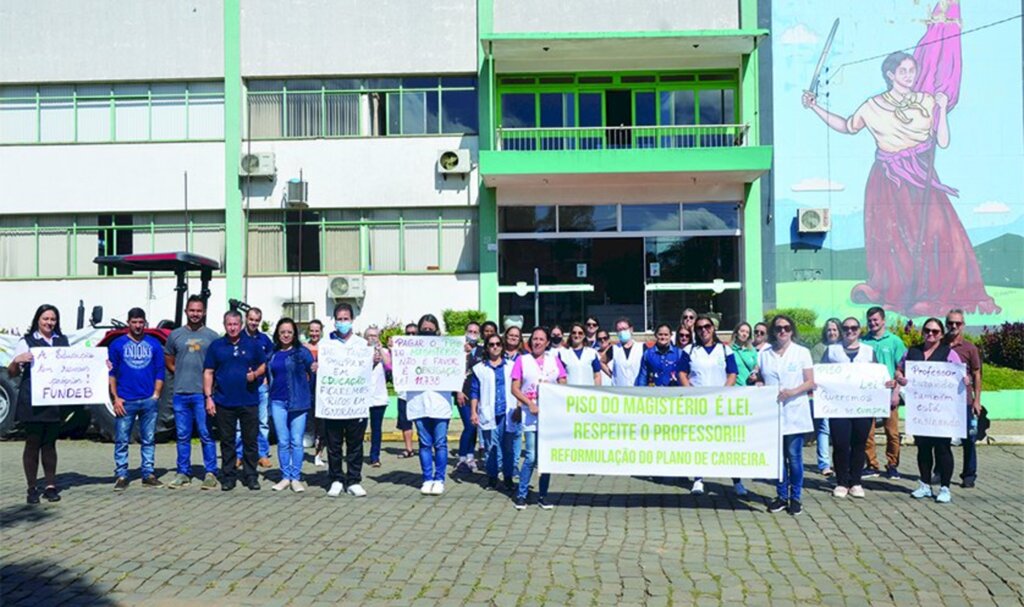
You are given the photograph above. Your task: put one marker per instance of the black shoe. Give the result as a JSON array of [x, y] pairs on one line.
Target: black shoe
[[253, 484], [51, 494], [777, 505], [32, 497], [869, 473], [509, 486], [795, 508], [227, 485], [544, 504], [151, 481], [492, 484], [520, 503], [121, 483], [892, 473], [968, 483]]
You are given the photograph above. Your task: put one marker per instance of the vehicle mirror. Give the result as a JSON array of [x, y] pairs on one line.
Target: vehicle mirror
[[97, 315]]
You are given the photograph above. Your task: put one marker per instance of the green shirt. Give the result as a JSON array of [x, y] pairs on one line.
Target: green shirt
[[746, 360], [889, 350]]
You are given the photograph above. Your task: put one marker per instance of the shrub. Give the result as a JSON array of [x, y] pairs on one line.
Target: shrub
[[1004, 346], [391, 329], [455, 321]]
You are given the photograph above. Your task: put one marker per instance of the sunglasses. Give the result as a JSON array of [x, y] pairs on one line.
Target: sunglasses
[[689, 316], [577, 333], [591, 324], [494, 344], [683, 335], [783, 329], [850, 328], [704, 327], [954, 323], [760, 332], [605, 338], [932, 332]]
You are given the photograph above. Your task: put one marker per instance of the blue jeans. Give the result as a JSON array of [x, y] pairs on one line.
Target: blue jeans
[[529, 463], [511, 447], [467, 440], [970, 470], [290, 427], [792, 482], [494, 451], [433, 435], [263, 439], [146, 411], [376, 431], [189, 412], [822, 437]]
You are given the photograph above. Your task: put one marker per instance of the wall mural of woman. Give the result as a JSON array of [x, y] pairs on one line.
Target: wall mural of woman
[[920, 261]]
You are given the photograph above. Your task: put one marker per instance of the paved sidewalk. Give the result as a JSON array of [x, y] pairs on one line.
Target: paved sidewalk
[[609, 541]]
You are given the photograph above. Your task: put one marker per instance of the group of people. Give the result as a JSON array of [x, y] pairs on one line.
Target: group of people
[[244, 380]]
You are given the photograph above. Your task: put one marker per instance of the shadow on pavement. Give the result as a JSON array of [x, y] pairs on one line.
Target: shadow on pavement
[[400, 477], [45, 582], [659, 500], [12, 516]]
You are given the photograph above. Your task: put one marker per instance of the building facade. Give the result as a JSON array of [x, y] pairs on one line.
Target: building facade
[[615, 156]]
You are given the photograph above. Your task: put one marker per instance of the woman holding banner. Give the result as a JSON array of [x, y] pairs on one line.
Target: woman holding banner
[[529, 372], [379, 395], [290, 368], [431, 411], [831, 334], [932, 451], [41, 424], [849, 434], [709, 364], [788, 365]]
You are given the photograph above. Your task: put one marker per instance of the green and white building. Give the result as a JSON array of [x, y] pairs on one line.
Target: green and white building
[[449, 150]]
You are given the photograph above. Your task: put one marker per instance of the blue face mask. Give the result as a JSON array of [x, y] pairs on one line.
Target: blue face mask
[[625, 336], [344, 327]]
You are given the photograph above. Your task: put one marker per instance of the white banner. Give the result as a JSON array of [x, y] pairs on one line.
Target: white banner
[[851, 390], [428, 363], [719, 432], [69, 376], [343, 387], [936, 399]]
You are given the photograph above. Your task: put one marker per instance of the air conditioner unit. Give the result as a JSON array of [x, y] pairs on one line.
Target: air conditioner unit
[[453, 162], [297, 196], [260, 164], [349, 286], [813, 220]]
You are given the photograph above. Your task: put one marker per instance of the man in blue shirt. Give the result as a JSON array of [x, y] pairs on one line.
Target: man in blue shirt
[[253, 320], [136, 380], [233, 371], [488, 401]]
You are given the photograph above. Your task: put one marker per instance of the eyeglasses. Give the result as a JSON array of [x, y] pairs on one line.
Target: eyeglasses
[[954, 323], [577, 333], [705, 327], [689, 316], [760, 332], [851, 328], [783, 329], [932, 332], [683, 335], [494, 344], [591, 324], [605, 338]]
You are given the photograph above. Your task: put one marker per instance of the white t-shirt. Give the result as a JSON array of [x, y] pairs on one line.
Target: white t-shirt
[[787, 371]]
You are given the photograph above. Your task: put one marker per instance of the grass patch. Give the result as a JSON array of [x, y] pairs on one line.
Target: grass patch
[[995, 378]]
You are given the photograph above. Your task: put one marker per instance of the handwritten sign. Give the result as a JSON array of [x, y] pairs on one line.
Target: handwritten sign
[[428, 363], [69, 376], [936, 399], [343, 387], [851, 390]]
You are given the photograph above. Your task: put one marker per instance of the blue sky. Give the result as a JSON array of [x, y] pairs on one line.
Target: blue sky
[[985, 159]]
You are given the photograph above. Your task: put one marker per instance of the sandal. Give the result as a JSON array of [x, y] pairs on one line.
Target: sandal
[[406, 454]]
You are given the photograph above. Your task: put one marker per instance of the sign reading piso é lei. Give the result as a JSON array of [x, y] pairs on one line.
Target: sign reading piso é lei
[[721, 432]]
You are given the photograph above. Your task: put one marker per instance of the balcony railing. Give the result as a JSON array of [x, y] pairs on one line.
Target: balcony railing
[[622, 137]]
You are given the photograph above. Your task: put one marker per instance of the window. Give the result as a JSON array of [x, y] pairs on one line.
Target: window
[[527, 219], [711, 216], [602, 218], [353, 107], [650, 217], [96, 113]]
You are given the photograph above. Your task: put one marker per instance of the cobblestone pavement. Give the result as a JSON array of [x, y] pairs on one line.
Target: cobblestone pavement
[[609, 541]]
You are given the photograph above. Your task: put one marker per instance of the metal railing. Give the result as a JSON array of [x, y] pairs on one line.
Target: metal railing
[[622, 137]]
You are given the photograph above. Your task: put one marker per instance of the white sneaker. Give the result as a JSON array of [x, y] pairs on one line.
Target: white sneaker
[[740, 489], [944, 496], [840, 491], [357, 491], [438, 488], [471, 464], [281, 485], [427, 488], [319, 462], [335, 490], [698, 488], [856, 491], [922, 491], [298, 487]]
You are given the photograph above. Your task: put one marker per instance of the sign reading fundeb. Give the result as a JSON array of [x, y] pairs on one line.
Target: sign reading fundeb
[[428, 363], [723, 432], [936, 399], [851, 390], [343, 381], [69, 376]]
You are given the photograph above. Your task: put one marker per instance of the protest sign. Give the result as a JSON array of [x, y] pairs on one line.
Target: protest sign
[[721, 432], [428, 363], [343, 381], [936, 399], [851, 390], [69, 376]]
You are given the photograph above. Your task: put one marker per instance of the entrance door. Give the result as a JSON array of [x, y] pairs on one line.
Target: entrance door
[[618, 113]]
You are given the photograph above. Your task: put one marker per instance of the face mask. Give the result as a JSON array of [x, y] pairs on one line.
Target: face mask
[[472, 339], [344, 327], [428, 333], [556, 340], [625, 335]]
